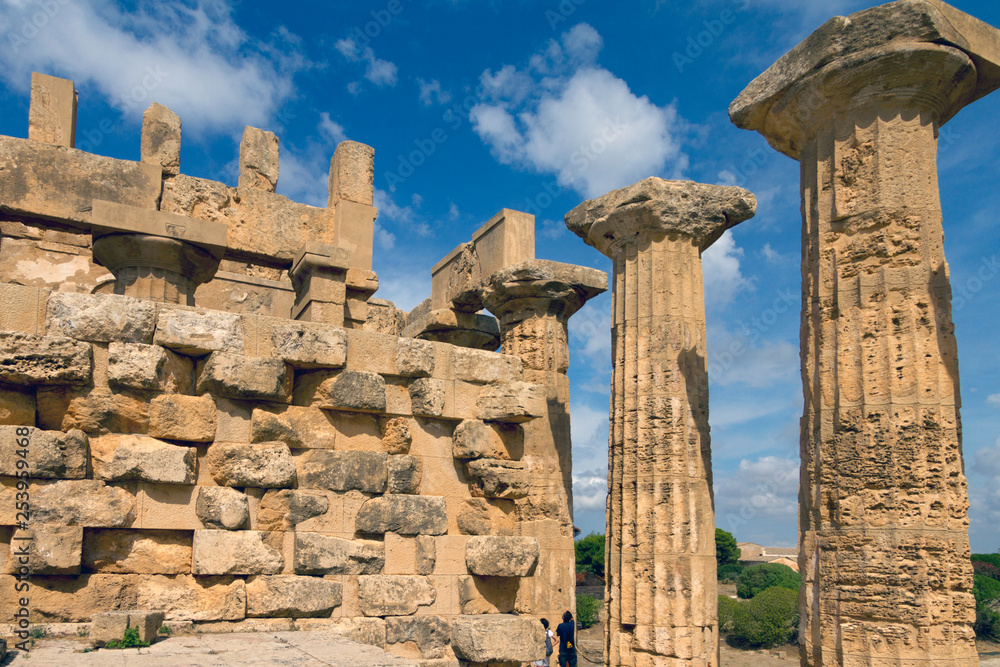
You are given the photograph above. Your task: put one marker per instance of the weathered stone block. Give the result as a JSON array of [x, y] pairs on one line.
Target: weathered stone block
[[322, 554], [223, 508], [29, 359], [149, 368], [188, 598], [403, 514], [431, 634], [137, 551], [49, 454], [261, 465], [478, 517], [405, 473], [177, 417], [393, 595], [17, 408], [281, 509], [343, 471], [50, 550], [88, 503], [493, 478], [309, 346], [478, 595], [110, 626], [236, 552], [484, 367], [352, 173], [246, 378], [161, 139], [298, 427], [358, 391], [497, 639], [52, 112], [258, 159], [96, 410], [414, 357], [475, 439], [497, 556], [512, 402], [292, 596], [141, 458], [427, 397], [197, 332], [426, 554], [396, 436], [100, 318]]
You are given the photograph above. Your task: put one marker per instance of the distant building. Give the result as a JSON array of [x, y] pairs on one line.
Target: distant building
[[752, 553]]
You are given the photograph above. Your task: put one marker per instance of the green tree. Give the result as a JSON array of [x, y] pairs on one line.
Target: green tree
[[590, 554], [726, 551], [758, 578], [587, 609], [770, 618]]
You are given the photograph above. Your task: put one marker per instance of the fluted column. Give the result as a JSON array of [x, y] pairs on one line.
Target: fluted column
[[883, 532], [661, 569], [533, 301]]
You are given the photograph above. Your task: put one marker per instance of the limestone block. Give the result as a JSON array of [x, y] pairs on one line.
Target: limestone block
[[46, 550], [431, 634], [497, 556], [484, 367], [479, 517], [30, 359], [475, 439], [161, 139], [512, 402], [246, 378], [415, 357], [343, 471], [494, 478], [426, 554], [188, 418], [393, 595], [282, 509], [370, 631], [298, 427], [86, 502], [52, 112], [359, 391], [100, 318], [258, 159], [384, 318], [403, 514], [110, 626], [497, 638], [49, 454], [236, 552], [322, 554], [197, 332], [309, 346], [427, 397], [149, 368], [68, 599], [396, 437], [292, 596], [141, 458], [223, 508], [17, 408], [188, 598], [46, 181], [137, 551], [478, 595], [262, 465], [95, 411], [405, 473], [352, 173]]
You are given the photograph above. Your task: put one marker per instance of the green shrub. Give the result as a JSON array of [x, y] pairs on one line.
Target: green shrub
[[590, 554], [730, 572], [727, 612], [37, 632], [165, 630], [985, 589], [587, 608], [770, 618], [987, 624], [129, 640], [759, 578], [726, 551], [992, 559]]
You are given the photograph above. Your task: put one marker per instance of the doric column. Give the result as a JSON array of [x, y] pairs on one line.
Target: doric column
[[661, 570], [533, 300], [883, 533]]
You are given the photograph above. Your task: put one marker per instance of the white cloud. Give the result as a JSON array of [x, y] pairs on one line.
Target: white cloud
[[721, 270], [590, 334], [193, 59], [378, 71], [566, 116], [760, 492], [431, 93], [590, 490], [553, 229], [331, 129], [993, 399]]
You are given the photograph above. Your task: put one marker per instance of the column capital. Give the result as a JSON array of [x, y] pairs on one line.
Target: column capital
[[563, 288], [922, 55], [654, 209]]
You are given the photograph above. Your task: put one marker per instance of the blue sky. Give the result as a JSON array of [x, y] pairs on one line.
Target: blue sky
[[475, 106]]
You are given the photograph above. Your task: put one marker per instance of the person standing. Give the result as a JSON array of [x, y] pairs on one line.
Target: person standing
[[544, 662], [566, 631]]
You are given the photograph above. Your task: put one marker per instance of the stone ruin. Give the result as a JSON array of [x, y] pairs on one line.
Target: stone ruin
[[205, 414]]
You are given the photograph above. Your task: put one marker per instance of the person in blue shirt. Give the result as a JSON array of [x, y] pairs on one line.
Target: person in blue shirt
[[566, 631]]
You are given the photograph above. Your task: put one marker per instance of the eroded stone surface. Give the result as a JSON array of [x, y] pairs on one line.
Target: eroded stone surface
[[427, 397], [284, 509], [258, 159], [298, 427], [137, 552], [497, 638], [110, 626], [176, 417], [149, 368], [85, 502], [292, 596], [262, 465], [495, 556], [353, 390], [479, 517], [414, 357], [310, 346], [403, 514], [222, 507], [100, 318], [49, 454], [29, 359], [514, 402], [393, 595], [141, 458], [161, 138], [246, 378], [343, 471], [236, 552], [405, 473], [323, 554], [198, 332], [50, 550], [475, 439], [396, 436], [496, 478], [189, 598], [431, 634]]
